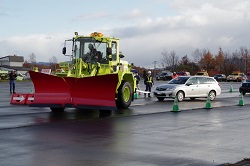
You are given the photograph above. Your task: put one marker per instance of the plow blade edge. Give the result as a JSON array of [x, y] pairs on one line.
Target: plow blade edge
[[96, 92]]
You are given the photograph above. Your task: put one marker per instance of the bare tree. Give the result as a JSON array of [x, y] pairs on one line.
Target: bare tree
[[174, 59], [227, 63], [244, 53], [170, 59], [32, 59], [198, 54], [53, 62], [165, 57]]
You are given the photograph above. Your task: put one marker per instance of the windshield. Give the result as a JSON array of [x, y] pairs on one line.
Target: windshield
[[199, 73], [179, 80], [89, 50]]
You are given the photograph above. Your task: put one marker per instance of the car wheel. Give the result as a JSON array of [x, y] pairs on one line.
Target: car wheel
[[180, 96], [212, 95], [160, 98]]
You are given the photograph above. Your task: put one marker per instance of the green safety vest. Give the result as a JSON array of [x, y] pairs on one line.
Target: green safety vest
[[149, 80]]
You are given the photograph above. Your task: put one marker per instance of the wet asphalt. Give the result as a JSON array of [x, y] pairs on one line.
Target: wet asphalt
[[147, 133]]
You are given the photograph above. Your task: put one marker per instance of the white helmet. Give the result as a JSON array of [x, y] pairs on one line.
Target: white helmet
[[149, 72]]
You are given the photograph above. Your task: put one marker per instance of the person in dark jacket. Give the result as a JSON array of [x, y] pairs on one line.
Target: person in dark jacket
[[138, 78], [12, 78], [148, 81]]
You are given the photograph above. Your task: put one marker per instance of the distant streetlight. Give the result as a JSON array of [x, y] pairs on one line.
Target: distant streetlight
[[154, 67]]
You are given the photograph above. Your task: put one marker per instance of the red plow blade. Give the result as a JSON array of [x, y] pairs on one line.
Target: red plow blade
[[96, 92]]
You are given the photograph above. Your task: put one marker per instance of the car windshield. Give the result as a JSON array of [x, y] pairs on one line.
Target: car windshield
[[179, 80], [164, 74], [199, 73]]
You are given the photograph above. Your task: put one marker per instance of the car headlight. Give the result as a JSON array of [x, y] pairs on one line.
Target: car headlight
[[170, 89], [164, 89]]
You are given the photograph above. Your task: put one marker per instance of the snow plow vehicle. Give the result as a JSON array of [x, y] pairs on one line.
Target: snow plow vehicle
[[95, 78]]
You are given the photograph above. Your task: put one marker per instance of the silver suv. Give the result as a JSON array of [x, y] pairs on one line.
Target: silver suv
[[188, 87]]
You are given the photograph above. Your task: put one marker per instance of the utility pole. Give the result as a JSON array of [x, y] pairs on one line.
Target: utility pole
[[246, 61], [154, 67]]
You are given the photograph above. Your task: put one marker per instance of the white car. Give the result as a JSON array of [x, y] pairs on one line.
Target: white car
[[188, 87]]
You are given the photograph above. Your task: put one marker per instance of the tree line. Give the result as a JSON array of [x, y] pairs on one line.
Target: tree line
[[31, 63], [224, 62]]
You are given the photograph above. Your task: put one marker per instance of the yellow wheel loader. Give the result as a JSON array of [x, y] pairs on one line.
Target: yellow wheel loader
[[96, 77]]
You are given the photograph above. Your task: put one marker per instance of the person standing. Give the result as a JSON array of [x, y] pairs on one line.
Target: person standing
[[91, 54], [148, 81], [12, 78], [138, 78], [174, 75]]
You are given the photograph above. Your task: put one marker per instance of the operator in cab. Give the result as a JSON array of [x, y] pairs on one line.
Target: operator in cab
[[91, 54]]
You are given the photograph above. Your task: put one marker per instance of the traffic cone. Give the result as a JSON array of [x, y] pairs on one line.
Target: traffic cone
[[176, 105], [241, 101], [231, 88], [208, 103], [136, 95]]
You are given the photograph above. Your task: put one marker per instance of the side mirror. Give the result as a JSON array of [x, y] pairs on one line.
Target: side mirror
[[109, 51], [64, 50], [121, 55], [189, 83]]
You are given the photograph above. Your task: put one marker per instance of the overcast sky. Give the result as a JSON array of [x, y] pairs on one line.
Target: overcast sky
[[145, 27]]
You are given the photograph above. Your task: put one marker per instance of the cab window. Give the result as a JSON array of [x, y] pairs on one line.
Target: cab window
[[114, 51]]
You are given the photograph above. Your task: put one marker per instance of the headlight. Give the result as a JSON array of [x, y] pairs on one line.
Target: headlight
[[170, 89], [165, 89]]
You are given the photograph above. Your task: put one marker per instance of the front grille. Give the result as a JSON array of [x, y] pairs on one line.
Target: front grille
[[160, 95], [160, 89]]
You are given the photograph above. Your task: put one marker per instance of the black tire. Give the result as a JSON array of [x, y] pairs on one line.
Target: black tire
[[57, 109], [180, 96], [122, 102], [212, 95], [160, 98]]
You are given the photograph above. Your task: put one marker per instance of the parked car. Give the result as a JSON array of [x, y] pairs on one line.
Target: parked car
[[236, 76], [183, 73], [220, 77], [188, 87], [165, 76], [26, 76], [3, 75], [201, 73], [248, 75], [245, 87]]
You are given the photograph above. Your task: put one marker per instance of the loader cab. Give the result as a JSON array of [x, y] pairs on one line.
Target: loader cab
[[81, 50], [106, 49]]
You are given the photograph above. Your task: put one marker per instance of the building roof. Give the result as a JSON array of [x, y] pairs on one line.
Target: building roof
[[14, 68], [14, 58]]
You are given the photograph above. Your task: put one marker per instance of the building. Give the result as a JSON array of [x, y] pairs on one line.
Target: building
[[13, 62]]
